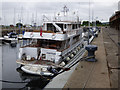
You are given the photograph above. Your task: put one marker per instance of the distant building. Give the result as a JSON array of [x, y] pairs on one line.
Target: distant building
[[114, 20]]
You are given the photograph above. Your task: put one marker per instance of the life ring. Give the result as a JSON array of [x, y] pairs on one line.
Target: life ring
[[31, 35], [53, 36]]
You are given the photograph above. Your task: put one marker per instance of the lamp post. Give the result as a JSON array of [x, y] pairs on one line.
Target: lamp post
[[101, 23], [95, 21]]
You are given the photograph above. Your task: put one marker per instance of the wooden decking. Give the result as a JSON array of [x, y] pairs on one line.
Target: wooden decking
[[42, 62], [23, 62]]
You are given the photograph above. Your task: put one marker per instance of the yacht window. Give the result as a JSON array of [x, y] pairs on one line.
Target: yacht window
[[50, 44], [76, 39], [76, 26], [51, 27], [65, 26], [61, 26], [69, 26], [73, 26]]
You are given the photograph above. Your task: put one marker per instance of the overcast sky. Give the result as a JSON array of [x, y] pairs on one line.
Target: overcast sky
[[13, 11]]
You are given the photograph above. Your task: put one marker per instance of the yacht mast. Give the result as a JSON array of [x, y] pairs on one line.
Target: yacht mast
[[65, 10]]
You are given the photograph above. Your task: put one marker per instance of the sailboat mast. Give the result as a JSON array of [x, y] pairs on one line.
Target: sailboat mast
[[14, 17], [36, 19], [14, 21], [89, 23]]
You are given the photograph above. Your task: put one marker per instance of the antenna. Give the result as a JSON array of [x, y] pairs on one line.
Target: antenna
[[32, 19], [5, 20], [27, 17], [19, 19], [89, 13], [65, 10], [93, 16], [21, 15], [45, 17], [36, 18], [14, 17]]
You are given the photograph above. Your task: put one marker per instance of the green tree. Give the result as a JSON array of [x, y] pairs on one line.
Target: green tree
[[85, 23], [98, 23], [11, 26], [19, 25]]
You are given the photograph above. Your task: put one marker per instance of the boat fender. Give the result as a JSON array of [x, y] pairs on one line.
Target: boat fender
[[78, 47], [65, 61], [53, 36], [74, 52], [62, 64], [71, 55], [68, 59]]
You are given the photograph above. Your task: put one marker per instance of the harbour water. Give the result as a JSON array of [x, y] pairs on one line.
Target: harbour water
[[12, 75]]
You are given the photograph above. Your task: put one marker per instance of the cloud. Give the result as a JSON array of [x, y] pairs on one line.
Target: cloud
[[60, 0], [27, 11]]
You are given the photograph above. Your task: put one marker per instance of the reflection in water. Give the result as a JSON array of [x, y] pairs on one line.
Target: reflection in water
[[13, 44], [10, 73], [35, 82]]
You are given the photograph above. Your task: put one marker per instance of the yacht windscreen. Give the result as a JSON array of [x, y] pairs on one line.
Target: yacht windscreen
[[51, 27], [61, 26]]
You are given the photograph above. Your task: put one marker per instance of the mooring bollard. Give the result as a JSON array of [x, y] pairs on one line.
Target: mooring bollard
[[91, 52]]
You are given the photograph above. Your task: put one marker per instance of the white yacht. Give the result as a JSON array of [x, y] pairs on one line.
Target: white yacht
[[55, 46]]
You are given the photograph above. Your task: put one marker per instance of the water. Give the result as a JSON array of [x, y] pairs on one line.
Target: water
[[13, 74]]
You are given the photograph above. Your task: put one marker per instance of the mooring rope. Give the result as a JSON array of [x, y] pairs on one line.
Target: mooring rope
[[88, 77]]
